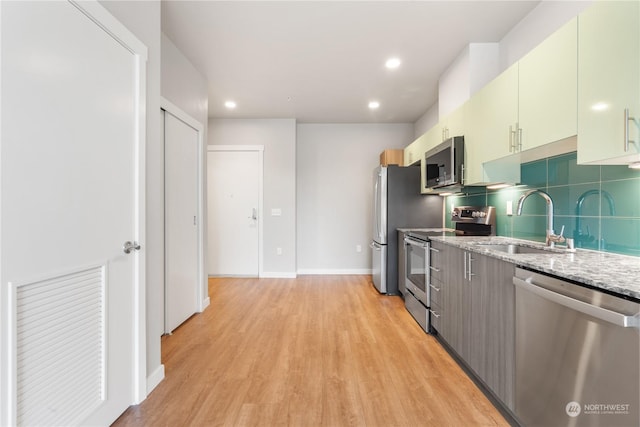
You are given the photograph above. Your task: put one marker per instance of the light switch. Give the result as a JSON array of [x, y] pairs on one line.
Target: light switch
[[509, 207], [276, 212]]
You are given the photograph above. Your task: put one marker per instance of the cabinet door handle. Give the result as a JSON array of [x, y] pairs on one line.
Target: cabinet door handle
[[437, 270], [512, 143], [470, 273], [519, 130], [434, 313], [628, 119], [434, 249], [434, 288], [626, 130], [465, 265]]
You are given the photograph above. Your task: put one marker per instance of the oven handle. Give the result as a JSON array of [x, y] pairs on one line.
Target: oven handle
[[417, 243], [614, 317]]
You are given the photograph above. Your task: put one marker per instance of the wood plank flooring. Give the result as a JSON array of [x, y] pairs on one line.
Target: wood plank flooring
[[311, 351]]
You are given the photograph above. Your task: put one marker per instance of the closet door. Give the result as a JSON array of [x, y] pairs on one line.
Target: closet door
[[181, 221]]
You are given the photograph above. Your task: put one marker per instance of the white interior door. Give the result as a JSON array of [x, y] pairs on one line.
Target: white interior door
[[181, 221], [72, 146], [234, 180]]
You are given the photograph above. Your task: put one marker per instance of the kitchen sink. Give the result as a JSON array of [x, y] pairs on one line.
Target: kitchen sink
[[514, 249]]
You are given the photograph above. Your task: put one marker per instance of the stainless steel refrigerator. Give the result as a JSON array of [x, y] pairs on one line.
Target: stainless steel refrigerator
[[397, 203]]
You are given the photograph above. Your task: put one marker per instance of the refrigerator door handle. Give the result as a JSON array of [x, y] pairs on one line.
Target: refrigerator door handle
[[376, 207]]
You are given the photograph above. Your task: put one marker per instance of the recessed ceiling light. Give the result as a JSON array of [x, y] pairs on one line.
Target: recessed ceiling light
[[392, 63], [230, 105], [374, 105]]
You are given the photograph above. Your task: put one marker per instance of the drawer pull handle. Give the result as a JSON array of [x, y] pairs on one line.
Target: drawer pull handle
[[435, 314]]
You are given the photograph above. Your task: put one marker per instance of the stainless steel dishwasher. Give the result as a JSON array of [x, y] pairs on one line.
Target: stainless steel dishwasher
[[577, 355]]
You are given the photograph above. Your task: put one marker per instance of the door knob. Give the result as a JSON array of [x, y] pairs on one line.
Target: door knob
[[128, 247]]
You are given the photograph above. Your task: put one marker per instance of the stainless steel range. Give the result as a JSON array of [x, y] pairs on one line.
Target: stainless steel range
[[469, 221]]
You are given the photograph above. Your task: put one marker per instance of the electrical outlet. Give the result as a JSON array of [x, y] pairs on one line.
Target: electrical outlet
[[358, 248], [278, 251], [509, 207]]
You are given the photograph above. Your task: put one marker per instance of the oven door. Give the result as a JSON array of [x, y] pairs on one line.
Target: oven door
[[417, 269]]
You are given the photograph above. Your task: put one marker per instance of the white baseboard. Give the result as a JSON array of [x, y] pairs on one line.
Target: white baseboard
[[205, 304], [276, 275], [330, 271], [155, 378]]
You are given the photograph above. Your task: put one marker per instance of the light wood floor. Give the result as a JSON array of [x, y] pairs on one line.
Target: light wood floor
[[311, 351]]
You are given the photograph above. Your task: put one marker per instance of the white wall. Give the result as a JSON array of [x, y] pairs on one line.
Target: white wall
[[474, 67], [484, 65], [454, 85], [428, 120], [143, 19], [335, 196], [278, 136], [183, 84]]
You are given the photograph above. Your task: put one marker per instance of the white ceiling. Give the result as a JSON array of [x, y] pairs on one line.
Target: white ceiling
[[323, 61]]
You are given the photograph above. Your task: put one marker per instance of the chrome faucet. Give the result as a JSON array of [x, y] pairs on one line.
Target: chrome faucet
[[579, 236], [552, 238]]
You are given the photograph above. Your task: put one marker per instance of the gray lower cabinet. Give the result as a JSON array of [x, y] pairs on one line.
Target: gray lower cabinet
[[402, 267], [478, 322], [493, 325]]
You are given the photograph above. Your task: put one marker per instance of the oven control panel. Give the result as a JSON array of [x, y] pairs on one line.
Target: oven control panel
[[474, 214]]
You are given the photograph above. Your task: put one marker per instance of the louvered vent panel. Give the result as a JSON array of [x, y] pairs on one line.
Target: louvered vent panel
[[60, 348]]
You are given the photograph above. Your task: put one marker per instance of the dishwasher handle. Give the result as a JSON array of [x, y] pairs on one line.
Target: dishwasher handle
[[610, 316]]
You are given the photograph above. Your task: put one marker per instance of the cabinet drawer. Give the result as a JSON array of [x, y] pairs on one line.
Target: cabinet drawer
[[436, 291], [436, 261], [437, 316], [417, 310]]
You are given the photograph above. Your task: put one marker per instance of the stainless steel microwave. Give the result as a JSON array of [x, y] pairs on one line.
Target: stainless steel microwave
[[444, 164]]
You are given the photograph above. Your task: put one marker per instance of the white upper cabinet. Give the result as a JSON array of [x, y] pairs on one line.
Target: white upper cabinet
[[609, 83], [412, 152], [492, 115], [530, 104], [547, 82]]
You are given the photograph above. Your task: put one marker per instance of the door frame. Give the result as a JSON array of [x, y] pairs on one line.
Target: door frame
[[203, 300], [95, 12], [260, 150]]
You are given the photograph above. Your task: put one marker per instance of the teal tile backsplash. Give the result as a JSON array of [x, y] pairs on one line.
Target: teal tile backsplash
[[599, 206]]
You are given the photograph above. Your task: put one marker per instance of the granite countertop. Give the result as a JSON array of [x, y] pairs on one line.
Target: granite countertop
[[615, 273]]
